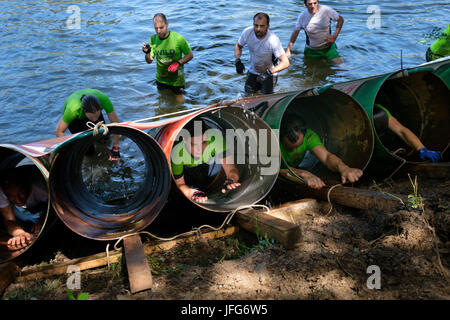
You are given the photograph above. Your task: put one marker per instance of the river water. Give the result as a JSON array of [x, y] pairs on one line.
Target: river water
[[45, 55]]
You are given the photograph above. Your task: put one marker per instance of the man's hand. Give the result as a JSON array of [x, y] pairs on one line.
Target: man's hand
[[229, 184], [174, 66], [239, 66], [330, 40], [146, 48], [114, 154], [198, 196], [313, 181], [19, 240], [434, 156], [351, 175], [264, 76]]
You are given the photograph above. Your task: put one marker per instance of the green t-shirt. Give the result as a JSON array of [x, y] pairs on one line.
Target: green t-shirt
[[180, 156], [72, 106], [166, 52], [441, 46], [310, 141]]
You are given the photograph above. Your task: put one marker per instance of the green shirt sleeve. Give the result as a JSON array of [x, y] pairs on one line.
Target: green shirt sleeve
[[384, 109], [106, 104], [311, 140]]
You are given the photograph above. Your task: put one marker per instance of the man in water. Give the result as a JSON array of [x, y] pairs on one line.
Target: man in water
[[320, 43], [168, 48], [22, 188], [383, 120], [83, 106], [440, 47], [192, 156], [265, 48], [296, 139]]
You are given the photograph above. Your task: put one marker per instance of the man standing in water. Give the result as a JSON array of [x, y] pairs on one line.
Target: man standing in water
[[83, 106], [320, 43], [265, 48], [168, 48]]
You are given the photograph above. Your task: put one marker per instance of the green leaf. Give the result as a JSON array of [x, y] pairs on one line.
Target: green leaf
[[70, 295], [83, 296]]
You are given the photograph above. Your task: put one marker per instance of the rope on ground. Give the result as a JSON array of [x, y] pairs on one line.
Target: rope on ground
[[96, 127], [328, 197], [197, 231]]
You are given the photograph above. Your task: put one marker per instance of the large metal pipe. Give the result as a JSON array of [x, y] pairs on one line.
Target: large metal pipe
[[418, 98], [12, 156], [103, 201], [336, 117], [441, 67], [251, 143]]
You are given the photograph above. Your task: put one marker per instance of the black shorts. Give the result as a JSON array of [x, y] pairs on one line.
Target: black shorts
[[178, 90], [251, 85]]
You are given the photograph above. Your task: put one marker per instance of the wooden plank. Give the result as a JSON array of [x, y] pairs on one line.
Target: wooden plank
[[293, 211], [100, 259], [358, 198], [259, 222], [8, 271], [429, 170], [139, 274]]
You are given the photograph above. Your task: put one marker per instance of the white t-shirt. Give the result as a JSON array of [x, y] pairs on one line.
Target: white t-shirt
[[316, 26], [261, 50]]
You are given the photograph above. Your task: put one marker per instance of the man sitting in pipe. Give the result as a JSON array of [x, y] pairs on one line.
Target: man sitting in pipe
[[296, 139], [22, 188], [83, 106], [383, 120], [192, 156]]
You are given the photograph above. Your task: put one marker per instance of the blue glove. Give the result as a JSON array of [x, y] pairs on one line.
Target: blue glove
[[434, 156]]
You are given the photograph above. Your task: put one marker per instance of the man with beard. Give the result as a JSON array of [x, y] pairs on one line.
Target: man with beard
[[265, 48]]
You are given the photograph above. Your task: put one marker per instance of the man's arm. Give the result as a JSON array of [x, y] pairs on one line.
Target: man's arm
[[405, 134], [188, 192], [112, 116], [332, 38], [20, 238], [284, 63], [186, 58], [334, 163], [61, 128], [292, 40]]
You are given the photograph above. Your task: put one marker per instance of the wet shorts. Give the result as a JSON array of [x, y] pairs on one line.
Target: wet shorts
[[251, 85], [328, 53], [178, 90]]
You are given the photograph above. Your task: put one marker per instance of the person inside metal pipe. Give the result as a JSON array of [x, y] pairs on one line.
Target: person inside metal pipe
[[265, 50], [23, 199], [193, 157], [168, 48], [296, 139], [383, 120], [320, 43], [83, 106]]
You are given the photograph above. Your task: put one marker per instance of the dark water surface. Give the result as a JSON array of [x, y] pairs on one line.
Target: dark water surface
[[42, 60]]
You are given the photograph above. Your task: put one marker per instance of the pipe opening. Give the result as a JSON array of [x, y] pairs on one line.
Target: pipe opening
[[420, 103], [24, 201], [341, 125], [102, 200], [236, 145]]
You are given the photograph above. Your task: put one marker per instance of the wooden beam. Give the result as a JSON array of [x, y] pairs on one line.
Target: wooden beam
[[100, 259], [429, 170], [259, 222], [358, 198], [139, 273], [294, 211], [8, 271]]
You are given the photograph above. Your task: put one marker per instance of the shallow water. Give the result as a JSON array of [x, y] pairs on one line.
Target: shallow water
[[42, 60]]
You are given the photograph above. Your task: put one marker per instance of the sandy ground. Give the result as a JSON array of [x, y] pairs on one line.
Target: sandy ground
[[409, 247]]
